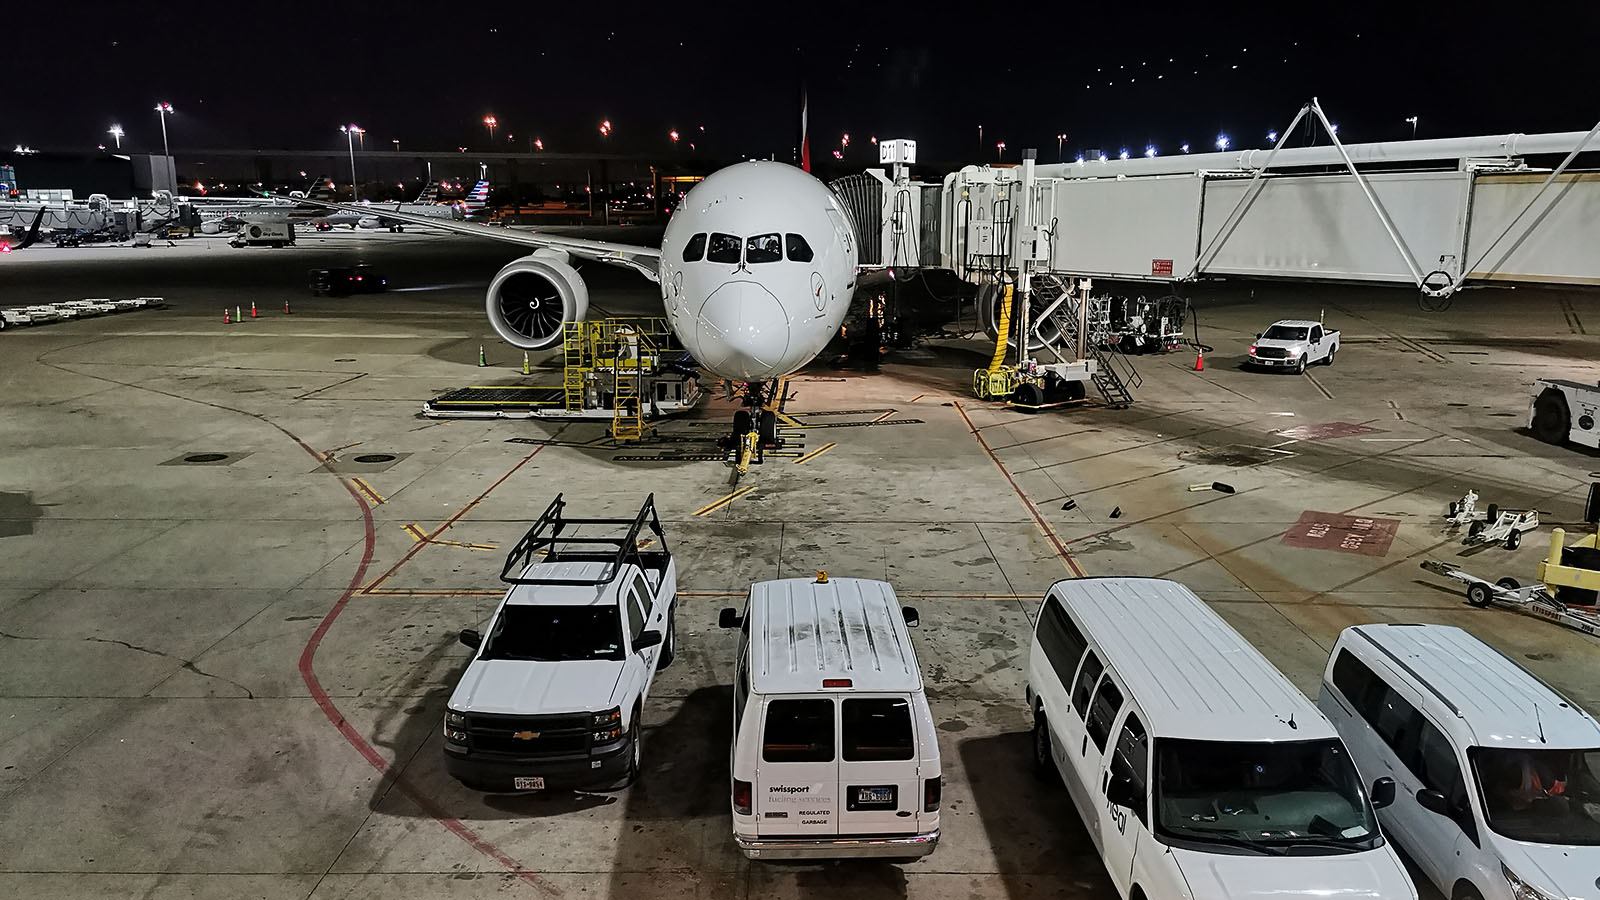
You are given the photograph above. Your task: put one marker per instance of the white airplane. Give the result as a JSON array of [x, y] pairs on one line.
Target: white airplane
[[756, 267]]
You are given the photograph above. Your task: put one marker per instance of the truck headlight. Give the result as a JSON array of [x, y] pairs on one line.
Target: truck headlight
[[1521, 890], [608, 725], [458, 720], [455, 727]]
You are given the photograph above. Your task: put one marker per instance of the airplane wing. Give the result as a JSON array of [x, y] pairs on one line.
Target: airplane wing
[[643, 260]]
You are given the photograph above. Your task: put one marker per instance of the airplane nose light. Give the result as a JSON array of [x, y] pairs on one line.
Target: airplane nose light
[[743, 332]]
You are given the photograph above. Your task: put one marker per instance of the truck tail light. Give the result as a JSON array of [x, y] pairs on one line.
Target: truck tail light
[[932, 792], [741, 797]]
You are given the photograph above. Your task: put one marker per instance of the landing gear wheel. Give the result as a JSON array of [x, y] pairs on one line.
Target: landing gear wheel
[[1551, 420], [769, 428], [1514, 539], [742, 423], [1044, 766], [1479, 595], [669, 647], [1508, 583]]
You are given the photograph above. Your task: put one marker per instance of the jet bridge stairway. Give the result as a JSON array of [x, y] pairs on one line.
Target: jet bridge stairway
[[1113, 373]]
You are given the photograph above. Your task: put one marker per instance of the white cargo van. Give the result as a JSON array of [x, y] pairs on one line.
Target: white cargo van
[[1197, 768], [1499, 775], [834, 750]]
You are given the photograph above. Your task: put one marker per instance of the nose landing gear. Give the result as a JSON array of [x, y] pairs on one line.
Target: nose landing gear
[[755, 428]]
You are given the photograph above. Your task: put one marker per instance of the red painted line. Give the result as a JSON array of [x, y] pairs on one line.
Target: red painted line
[[1061, 548], [416, 548], [308, 674]]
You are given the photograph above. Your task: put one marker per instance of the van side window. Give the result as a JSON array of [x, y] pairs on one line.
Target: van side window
[[1357, 683], [798, 731], [1062, 642], [877, 728], [1132, 760], [1397, 722], [1092, 667], [695, 249], [741, 699], [1107, 702]]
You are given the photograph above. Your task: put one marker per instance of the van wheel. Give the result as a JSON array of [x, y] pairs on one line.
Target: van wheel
[[1043, 765], [669, 648]]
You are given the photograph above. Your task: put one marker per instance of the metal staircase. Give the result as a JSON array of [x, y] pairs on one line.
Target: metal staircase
[[1113, 373], [575, 365]]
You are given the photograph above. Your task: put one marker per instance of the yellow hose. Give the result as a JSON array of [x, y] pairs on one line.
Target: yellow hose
[[1004, 327]]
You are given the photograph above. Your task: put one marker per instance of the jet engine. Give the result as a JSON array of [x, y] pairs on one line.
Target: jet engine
[[531, 299]]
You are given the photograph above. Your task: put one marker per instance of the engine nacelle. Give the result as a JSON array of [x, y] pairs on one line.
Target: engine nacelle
[[531, 300], [210, 226]]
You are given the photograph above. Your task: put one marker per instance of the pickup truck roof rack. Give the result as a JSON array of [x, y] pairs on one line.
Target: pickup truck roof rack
[[548, 535]]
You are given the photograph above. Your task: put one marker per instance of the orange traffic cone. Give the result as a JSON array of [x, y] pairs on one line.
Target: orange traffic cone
[[286, 306], [1199, 360], [226, 319], [253, 309]]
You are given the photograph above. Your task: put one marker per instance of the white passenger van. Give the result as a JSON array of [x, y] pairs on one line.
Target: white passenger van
[[1197, 768], [1499, 775], [834, 750]]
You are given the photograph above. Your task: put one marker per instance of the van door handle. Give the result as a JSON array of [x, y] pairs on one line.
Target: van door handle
[[1084, 750]]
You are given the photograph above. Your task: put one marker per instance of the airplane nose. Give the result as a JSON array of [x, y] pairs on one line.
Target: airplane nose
[[743, 332]]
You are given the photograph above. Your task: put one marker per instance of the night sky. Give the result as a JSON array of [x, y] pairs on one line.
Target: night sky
[[1112, 75]]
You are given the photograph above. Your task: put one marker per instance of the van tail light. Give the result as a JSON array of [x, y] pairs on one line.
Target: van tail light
[[741, 797], [932, 792]]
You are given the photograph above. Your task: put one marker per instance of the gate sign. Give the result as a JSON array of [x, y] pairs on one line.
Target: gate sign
[[1160, 267], [1365, 535]]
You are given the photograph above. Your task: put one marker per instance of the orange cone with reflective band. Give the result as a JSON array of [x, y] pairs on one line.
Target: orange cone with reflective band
[[286, 306], [253, 310], [226, 319], [1200, 361]]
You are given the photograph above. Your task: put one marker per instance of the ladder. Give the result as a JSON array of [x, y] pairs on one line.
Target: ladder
[[576, 365], [1114, 375], [630, 347]]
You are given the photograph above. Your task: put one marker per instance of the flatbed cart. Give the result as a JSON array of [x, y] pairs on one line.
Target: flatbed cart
[[1559, 581]]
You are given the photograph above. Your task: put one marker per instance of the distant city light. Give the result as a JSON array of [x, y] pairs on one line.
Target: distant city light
[[1102, 157], [1080, 157], [1272, 137], [538, 144], [1150, 152], [1184, 148], [605, 128], [1222, 142], [116, 132], [674, 135], [1123, 154]]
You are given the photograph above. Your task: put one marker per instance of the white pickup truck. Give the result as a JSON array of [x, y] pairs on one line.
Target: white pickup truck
[[1293, 344], [553, 696]]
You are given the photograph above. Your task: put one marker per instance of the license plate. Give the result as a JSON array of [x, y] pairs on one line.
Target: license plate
[[527, 784], [875, 795]]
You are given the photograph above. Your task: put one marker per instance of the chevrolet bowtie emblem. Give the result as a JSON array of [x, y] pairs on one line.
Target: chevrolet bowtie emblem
[[524, 735]]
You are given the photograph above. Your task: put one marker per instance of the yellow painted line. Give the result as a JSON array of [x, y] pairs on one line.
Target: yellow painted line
[[716, 505], [416, 533], [816, 453], [788, 419], [882, 417], [444, 592], [466, 546], [916, 398], [365, 488]]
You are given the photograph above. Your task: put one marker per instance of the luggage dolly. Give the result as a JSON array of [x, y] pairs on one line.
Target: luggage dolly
[[1504, 526], [1534, 600]]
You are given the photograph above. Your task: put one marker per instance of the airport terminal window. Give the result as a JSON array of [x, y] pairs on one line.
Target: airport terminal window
[[1132, 759], [724, 249], [798, 731], [695, 249], [876, 729], [1107, 701], [1062, 642], [763, 248], [1092, 667], [799, 250]]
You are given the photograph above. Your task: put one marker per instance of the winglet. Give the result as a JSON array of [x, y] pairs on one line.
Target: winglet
[[33, 233]]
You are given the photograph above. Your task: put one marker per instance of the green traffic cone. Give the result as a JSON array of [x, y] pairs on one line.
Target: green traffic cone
[[481, 361]]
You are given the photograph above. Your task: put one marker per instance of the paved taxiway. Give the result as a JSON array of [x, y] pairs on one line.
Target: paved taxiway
[[226, 679]]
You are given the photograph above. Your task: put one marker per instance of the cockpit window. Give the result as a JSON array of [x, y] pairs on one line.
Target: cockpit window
[[763, 248], [799, 250], [724, 249], [695, 249]]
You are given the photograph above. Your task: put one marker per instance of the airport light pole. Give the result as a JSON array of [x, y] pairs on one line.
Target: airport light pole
[[163, 109], [1000, 150], [1060, 139], [491, 121], [1413, 121], [116, 132], [350, 132]]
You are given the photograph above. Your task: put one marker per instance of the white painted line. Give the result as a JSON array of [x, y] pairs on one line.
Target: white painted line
[[1391, 440]]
